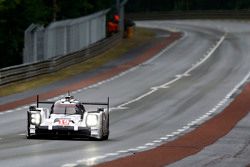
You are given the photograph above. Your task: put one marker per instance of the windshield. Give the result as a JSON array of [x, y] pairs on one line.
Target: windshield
[[64, 109]]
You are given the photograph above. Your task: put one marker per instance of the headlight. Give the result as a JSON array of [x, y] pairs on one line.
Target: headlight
[[35, 119], [92, 120]]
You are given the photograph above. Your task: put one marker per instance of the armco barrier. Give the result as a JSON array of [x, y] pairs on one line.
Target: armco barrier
[[209, 14], [27, 71]]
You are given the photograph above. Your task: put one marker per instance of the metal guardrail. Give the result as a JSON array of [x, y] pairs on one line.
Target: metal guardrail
[[27, 71], [209, 14]]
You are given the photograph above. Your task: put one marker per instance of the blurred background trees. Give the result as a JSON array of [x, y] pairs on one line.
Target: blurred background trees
[[17, 15]]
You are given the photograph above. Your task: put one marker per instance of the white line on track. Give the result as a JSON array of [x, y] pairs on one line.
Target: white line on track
[[163, 138], [22, 134], [91, 161], [181, 130], [206, 57], [141, 147], [112, 154], [177, 77], [133, 149], [166, 85], [112, 78], [69, 165], [157, 141], [149, 144], [170, 135], [191, 123], [122, 151], [18, 109], [184, 128], [175, 133], [9, 111]]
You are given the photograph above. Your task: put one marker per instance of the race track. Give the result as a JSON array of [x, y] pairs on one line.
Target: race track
[[151, 103]]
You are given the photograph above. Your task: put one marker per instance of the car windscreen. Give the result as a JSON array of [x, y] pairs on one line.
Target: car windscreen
[[64, 109]]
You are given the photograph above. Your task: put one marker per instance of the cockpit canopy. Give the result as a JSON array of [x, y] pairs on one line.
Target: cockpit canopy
[[67, 108]]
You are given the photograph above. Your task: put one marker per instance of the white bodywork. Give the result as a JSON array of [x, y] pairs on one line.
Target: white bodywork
[[42, 121]]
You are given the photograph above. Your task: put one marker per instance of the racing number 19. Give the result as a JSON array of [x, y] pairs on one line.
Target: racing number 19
[[63, 122]]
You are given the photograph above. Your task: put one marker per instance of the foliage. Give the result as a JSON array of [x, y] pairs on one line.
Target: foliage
[[17, 15]]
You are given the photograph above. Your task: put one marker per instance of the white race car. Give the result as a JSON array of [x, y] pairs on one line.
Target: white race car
[[68, 117]]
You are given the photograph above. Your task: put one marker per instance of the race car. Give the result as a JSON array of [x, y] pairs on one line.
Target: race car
[[69, 117]]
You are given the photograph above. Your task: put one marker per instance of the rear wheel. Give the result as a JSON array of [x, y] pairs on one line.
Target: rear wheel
[[28, 136], [106, 136]]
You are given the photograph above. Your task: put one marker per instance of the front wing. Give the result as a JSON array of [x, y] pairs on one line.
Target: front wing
[[63, 131]]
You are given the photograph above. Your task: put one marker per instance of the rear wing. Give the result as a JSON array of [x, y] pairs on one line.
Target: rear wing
[[42, 102], [84, 103], [98, 103]]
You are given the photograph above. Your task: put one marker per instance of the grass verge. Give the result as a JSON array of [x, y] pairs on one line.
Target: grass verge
[[141, 35]]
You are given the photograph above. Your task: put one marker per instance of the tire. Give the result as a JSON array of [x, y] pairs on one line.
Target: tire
[[28, 136], [106, 137]]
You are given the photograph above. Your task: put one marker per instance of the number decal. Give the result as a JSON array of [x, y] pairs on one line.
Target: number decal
[[64, 122]]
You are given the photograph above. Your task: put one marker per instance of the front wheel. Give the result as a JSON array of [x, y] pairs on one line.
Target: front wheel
[[28, 136], [105, 137]]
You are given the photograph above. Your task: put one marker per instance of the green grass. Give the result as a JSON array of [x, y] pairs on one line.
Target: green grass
[[141, 35]]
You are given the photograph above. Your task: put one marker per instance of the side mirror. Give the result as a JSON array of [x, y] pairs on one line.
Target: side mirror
[[100, 109], [32, 108]]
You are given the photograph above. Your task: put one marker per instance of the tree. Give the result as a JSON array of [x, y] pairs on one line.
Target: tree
[[17, 15]]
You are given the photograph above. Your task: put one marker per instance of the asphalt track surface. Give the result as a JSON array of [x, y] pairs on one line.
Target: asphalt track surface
[[149, 102], [231, 150]]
